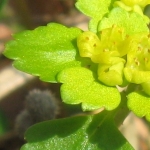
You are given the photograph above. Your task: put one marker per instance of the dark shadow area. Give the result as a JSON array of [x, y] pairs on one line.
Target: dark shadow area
[[36, 12]]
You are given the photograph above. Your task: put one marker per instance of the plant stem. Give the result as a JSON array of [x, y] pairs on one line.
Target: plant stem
[[122, 111]]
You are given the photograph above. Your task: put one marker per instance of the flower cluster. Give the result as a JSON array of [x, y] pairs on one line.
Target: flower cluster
[[120, 57]]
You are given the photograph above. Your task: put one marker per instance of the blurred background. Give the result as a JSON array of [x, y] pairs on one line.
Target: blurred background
[[19, 15]]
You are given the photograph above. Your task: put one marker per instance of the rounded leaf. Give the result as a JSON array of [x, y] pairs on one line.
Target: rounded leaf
[[139, 104], [80, 86], [100, 7], [77, 133], [44, 51], [131, 22]]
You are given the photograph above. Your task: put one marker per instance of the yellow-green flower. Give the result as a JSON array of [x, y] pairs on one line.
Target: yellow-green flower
[[106, 49], [133, 5], [137, 68], [119, 56]]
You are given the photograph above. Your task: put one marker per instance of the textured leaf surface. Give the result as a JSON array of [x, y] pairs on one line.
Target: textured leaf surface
[[80, 86], [44, 51], [132, 22], [139, 104], [100, 8], [96, 132]]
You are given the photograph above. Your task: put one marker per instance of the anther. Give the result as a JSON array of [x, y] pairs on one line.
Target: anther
[[106, 70], [94, 45], [120, 31], [139, 48], [137, 63], [127, 36], [87, 38], [113, 26], [135, 59], [146, 59]]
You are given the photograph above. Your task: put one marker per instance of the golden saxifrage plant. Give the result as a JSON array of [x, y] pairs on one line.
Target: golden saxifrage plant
[[91, 65]]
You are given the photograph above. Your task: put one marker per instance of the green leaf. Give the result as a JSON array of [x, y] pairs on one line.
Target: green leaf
[[93, 24], [131, 22], [95, 132], [45, 51], [140, 104], [95, 9], [80, 86]]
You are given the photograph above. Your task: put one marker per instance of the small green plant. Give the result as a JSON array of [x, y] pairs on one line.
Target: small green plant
[[91, 65]]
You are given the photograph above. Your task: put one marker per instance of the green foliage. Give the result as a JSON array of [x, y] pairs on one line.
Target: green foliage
[[43, 52], [95, 132], [132, 23], [90, 93], [139, 103], [90, 65], [100, 7]]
